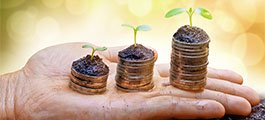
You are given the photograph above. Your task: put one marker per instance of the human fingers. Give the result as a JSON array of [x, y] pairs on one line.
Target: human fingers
[[162, 107], [225, 75], [130, 106], [219, 74], [163, 69], [233, 104], [233, 89]]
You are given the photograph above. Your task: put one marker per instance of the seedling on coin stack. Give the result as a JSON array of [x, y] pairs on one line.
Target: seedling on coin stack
[[135, 67], [136, 29], [190, 49], [94, 49], [89, 74], [201, 11]]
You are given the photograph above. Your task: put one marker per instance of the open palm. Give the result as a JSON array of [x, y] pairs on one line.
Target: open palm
[[43, 93]]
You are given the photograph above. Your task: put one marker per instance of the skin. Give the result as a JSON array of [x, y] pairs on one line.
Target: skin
[[40, 91]]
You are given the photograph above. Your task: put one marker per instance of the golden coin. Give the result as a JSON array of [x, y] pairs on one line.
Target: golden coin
[[88, 84], [188, 85], [137, 89], [85, 90], [96, 79]]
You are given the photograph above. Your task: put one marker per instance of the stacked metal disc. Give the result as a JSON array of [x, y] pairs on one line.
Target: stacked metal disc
[[189, 64], [87, 84], [133, 76]]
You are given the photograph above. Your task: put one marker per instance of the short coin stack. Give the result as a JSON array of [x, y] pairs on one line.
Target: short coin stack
[[189, 64], [133, 76], [87, 84]]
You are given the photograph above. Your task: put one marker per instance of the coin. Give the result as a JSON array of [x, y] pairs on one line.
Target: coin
[[86, 83], [188, 66], [96, 79], [132, 84], [85, 90], [142, 88], [189, 85], [191, 77], [135, 76]]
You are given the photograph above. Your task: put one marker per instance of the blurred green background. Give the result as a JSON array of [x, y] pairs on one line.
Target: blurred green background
[[237, 31]]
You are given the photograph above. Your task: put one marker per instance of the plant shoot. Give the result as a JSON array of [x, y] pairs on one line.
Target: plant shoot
[[94, 49], [201, 11], [136, 29]]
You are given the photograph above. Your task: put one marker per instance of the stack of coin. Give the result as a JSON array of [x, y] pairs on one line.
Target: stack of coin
[[87, 84], [189, 64], [133, 76]]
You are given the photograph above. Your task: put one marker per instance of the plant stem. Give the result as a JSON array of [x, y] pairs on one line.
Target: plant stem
[[134, 31], [190, 13], [92, 55], [190, 16]]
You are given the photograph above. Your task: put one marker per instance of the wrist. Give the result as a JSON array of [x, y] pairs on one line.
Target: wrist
[[8, 86]]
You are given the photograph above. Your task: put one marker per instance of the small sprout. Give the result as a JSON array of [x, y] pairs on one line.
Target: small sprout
[[201, 11], [94, 49], [138, 28]]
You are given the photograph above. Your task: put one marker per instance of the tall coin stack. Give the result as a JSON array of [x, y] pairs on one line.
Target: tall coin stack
[[189, 60], [133, 76]]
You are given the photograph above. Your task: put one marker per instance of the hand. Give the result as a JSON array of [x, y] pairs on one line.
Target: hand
[[40, 91]]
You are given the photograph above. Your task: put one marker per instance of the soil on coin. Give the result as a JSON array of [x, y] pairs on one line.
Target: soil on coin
[[257, 113], [137, 53], [190, 34], [96, 67]]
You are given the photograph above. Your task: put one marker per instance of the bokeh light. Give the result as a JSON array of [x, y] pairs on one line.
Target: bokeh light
[[228, 61], [140, 7], [237, 30], [48, 29], [246, 10], [249, 47], [20, 25], [255, 49], [239, 46], [52, 3], [33, 10], [77, 7], [10, 3]]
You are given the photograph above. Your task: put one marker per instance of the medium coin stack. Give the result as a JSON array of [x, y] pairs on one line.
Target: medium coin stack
[[133, 76], [87, 84], [189, 64]]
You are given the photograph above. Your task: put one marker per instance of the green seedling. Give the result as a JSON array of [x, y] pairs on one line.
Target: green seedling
[[94, 49], [201, 11], [136, 29]]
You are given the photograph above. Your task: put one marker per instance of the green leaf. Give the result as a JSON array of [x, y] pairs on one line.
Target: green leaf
[[190, 10], [101, 49], [88, 46], [174, 12], [204, 13], [126, 25], [143, 28]]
